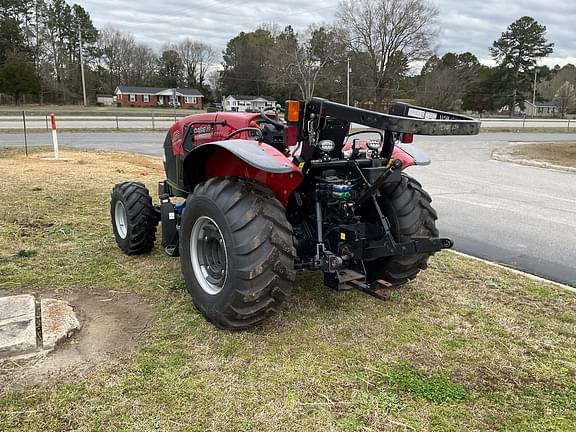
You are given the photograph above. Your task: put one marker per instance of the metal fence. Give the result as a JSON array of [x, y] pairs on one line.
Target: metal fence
[[524, 123], [34, 122]]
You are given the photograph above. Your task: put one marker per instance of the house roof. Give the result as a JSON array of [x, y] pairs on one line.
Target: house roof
[[188, 92], [139, 90], [250, 98], [156, 90]]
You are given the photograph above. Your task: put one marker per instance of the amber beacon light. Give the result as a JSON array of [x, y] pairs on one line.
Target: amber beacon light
[[292, 111]]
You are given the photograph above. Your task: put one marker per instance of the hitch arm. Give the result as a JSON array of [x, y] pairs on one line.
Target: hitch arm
[[374, 187]]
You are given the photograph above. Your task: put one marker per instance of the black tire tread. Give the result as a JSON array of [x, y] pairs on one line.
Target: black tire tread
[[414, 216], [267, 254], [141, 215]]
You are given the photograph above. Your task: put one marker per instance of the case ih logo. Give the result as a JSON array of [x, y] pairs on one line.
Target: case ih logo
[[202, 130]]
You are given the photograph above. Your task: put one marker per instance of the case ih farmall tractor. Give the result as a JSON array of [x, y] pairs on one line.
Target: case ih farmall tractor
[[250, 198]]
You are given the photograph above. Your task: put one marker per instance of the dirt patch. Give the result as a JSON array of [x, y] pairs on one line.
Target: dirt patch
[[546, 155], [113, 323]]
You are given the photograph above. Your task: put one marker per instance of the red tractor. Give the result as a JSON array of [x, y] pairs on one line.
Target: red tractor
[[250, 198]]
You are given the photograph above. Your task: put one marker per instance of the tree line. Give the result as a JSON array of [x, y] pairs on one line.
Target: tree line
[[381, 40]]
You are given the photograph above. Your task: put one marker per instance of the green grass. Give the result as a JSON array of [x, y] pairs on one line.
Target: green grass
[[432, 388], [466, 346]]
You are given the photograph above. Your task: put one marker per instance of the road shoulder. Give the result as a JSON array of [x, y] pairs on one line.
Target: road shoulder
[[510, 153]]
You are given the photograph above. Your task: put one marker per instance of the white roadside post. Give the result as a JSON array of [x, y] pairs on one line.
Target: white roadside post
[[54, 135]]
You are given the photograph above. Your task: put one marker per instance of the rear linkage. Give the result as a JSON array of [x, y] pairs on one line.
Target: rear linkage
[[363, 241]]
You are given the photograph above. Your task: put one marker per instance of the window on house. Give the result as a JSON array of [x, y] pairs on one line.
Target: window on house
[[132, 98], [191, 99], [146, 98]]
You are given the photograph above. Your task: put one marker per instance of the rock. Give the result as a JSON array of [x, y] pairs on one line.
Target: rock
[[17, 324], [58, 321]]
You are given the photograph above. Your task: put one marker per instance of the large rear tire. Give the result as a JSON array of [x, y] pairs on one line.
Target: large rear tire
[[409, 211], [236, 252], [134, 218]]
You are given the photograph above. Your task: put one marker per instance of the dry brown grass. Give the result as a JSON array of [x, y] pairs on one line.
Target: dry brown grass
[[464, 347], [559, 153]]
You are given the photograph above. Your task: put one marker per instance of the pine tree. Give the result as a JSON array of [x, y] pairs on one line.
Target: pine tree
[[517, 52]]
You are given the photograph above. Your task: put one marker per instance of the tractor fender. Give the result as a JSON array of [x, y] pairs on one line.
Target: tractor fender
[[243, 158], [410, 155]]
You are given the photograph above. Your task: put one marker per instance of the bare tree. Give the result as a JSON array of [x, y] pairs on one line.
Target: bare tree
[[548, 88], [566, 97], [440, 89], [303, 57], [197, 58], [390, 33], [127, 62], [115, 47]]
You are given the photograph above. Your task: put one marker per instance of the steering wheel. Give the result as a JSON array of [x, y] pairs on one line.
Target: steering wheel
[[255, 130], [276, 123]]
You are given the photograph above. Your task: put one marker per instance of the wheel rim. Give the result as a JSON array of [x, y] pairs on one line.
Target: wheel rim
[[208, 255], [121, 219]]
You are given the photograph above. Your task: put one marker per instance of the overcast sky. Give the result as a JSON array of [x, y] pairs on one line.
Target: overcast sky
[[465, 25]]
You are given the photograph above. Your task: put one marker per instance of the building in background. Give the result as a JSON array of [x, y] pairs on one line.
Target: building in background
[[541, 109], [105, 100], [247, 103], [128, 96]]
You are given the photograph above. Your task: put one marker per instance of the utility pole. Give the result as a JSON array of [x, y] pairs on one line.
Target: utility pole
[[534, 94], [174, 102], [348, 81], [82, 67]]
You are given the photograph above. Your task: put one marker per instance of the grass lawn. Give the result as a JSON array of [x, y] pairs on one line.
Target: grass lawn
[[560, 153], [464, 347]]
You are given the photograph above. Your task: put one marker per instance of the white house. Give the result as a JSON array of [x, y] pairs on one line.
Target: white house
[[243, 103], [541, 109]]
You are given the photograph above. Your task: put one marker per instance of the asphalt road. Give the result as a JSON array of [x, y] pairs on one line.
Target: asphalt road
[[165, 119], [519, 216], [90, 122]]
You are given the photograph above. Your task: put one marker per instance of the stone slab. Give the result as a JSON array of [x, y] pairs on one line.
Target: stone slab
[[17, 324], [58, 321]]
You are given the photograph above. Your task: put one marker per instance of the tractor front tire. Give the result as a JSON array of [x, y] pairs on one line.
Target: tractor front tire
[[409, 211], [236, 252], [134, 218]]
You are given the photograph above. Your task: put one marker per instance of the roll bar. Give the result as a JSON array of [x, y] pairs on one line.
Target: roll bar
[[403, 118]]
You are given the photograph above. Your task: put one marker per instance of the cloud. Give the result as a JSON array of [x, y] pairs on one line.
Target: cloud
[[470, 25]]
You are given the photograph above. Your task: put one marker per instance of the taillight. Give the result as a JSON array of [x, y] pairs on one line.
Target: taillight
[[407, 138]]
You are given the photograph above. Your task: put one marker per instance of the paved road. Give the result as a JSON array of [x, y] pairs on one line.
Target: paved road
[[165, 119], [91, 122], [520, 216], [523, 217]]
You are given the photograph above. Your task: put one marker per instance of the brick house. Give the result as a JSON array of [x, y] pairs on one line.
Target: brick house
[[128, 96]]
